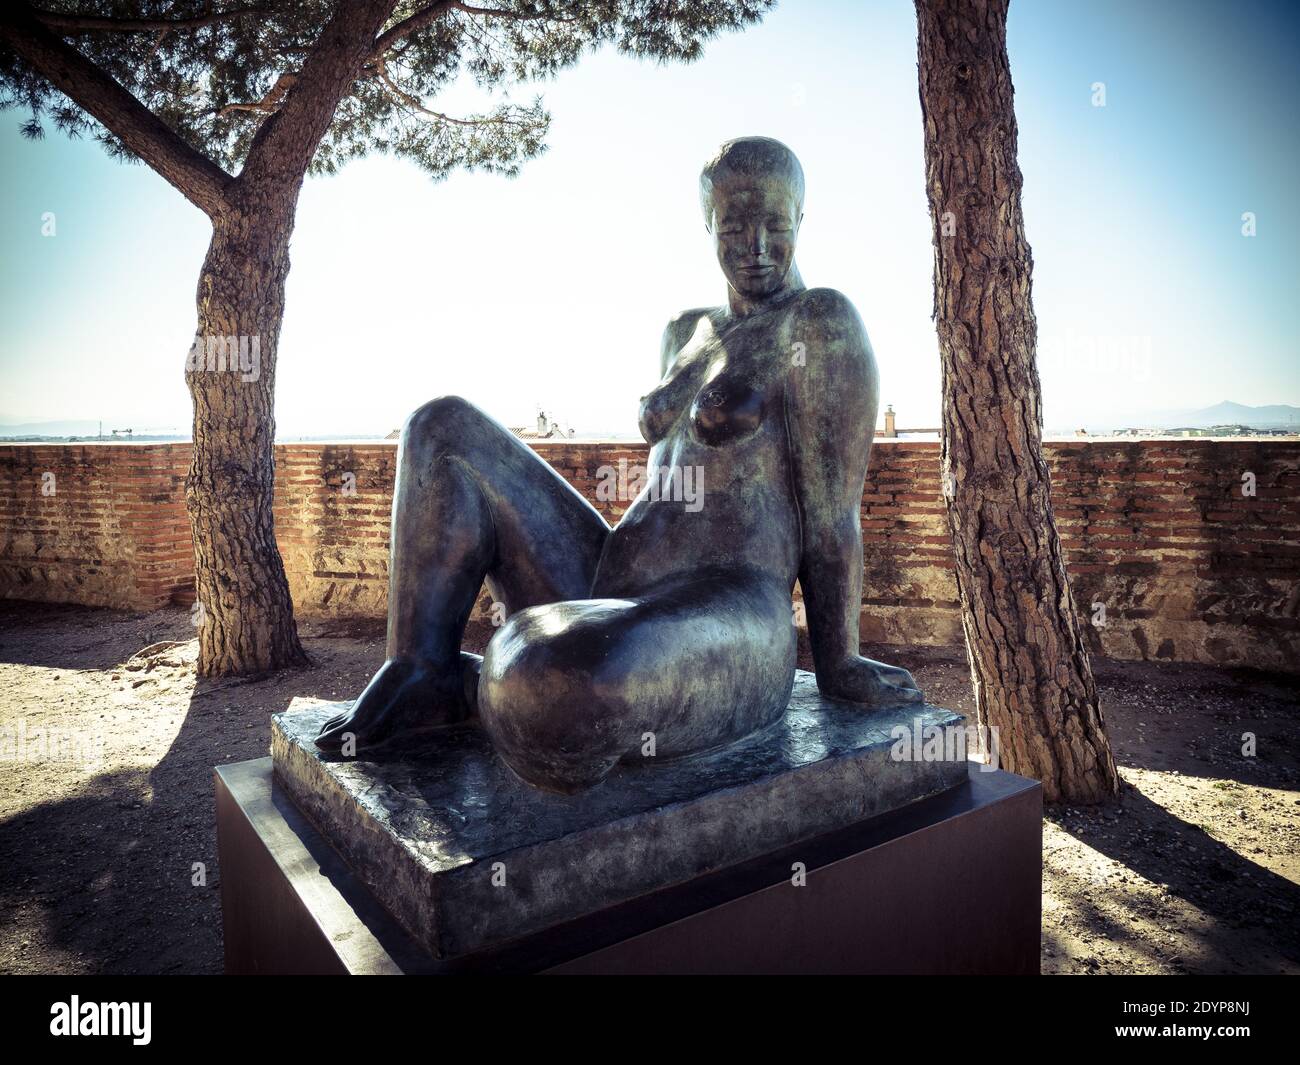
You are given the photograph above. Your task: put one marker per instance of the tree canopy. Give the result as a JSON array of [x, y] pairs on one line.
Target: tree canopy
[[215, 73]]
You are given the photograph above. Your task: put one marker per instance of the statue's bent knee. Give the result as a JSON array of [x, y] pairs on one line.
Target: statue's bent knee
[[443, 416]]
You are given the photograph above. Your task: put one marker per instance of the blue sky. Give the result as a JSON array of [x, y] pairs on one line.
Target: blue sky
[[552, 289]]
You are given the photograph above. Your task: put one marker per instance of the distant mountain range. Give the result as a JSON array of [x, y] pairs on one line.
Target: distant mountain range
[[1274, 416], [50, 429]]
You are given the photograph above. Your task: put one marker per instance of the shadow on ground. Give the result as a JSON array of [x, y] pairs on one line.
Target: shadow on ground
[[100, 875]]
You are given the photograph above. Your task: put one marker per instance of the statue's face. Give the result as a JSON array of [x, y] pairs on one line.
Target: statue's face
[[755, 226]]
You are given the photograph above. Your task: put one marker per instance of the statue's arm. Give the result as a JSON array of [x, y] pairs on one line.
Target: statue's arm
[[831, 398]]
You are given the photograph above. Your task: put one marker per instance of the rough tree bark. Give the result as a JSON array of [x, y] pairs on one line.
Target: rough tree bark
[[247, 615], [1029, 663], [246, 621]]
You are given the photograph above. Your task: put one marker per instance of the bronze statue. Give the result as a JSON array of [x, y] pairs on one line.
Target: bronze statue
[[672, 631]]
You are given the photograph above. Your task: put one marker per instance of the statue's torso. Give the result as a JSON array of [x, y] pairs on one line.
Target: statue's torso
[[716, 423]]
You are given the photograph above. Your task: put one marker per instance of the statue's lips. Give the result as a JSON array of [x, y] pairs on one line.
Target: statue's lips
[[756, 269]]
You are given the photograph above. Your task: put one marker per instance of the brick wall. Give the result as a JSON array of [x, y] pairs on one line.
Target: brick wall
[[1187, 567], [1159, 531], [100, 524]]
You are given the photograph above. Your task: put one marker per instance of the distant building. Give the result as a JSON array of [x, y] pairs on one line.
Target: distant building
[[891, 427], [547, 428], [891, 431]]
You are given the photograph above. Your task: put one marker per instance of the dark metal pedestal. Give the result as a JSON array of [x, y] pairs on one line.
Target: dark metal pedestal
[[950, 884]]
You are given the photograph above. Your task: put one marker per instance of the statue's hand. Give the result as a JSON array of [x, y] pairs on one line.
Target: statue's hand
[[874, 684]]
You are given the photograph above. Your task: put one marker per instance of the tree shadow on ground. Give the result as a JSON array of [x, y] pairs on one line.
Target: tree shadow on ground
[[80, 638], [119, 872], [1197, 721], [103, 878], [100, 877], [1241, 899]]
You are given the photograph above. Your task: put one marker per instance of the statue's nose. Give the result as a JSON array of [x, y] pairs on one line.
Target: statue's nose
[[758, 241]]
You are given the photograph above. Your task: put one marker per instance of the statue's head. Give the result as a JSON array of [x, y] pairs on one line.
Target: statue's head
[[752, 195]]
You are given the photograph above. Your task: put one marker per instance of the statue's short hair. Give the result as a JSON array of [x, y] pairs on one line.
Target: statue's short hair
[[753, 157]]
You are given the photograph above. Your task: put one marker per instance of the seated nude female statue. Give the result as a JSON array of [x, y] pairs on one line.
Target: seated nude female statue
[[678, 621]]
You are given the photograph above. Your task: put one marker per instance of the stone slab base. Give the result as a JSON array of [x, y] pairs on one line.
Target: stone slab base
[[950, 884], [467, 857]]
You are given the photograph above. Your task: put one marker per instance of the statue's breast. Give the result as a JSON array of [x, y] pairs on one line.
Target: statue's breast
[[715, 387], [723, 407], [727, 408], [661, 409]]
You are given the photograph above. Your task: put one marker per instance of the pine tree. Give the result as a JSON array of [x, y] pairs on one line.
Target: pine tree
[[233, 102], [1033, 681]]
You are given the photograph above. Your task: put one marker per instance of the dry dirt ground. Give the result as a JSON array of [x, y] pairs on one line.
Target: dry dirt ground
[[108, 852]]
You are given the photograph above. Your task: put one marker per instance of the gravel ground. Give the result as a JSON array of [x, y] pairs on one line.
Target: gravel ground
[[108, 846]]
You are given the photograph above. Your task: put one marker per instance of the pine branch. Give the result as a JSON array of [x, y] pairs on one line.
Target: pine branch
[[269, 103], [284, 145], [197, 177], [70, 22], [502, 118], [430, 14]]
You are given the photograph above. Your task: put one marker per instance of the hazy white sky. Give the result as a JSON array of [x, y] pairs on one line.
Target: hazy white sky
[[553, 289]]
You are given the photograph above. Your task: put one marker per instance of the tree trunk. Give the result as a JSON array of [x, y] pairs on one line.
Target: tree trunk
[[246, 616], [1029, 663]]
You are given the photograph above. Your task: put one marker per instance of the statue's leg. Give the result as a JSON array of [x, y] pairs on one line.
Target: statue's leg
[[471, 501], [571, 688]]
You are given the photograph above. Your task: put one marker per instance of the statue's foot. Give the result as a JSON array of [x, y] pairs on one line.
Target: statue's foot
[[406, 696], [874, 684]]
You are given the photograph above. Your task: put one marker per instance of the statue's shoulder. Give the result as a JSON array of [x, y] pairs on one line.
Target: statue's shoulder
[[827, 321], [678, 331], [681, 327], [826, 314], [684, 323], [829, 306]]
